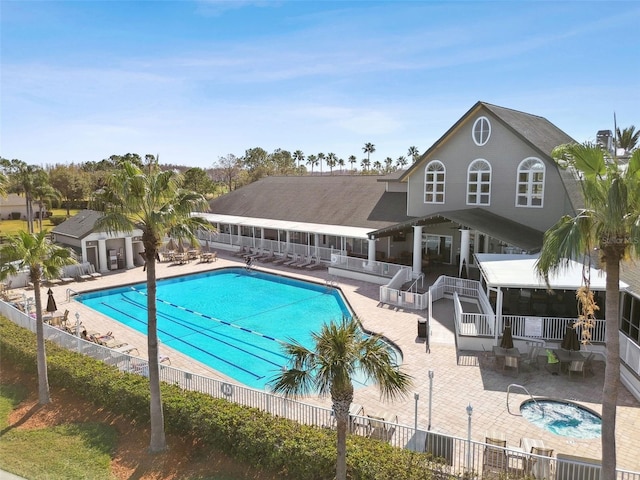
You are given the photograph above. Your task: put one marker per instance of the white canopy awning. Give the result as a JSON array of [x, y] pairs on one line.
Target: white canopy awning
[[321, 229], [518, 271]]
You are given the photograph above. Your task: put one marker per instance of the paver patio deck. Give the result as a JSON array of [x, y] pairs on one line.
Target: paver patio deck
[[454, 386]]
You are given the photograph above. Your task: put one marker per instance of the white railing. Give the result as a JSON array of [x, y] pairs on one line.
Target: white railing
[[456, 456], [392, 293], [355, 264], [552, 328], [630, 353]]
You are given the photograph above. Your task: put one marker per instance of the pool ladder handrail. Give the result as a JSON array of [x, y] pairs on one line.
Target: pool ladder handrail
[[527, 392]]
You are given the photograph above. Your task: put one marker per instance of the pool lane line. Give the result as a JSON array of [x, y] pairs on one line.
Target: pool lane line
[[209, 317], [257, 377], [191, 326]]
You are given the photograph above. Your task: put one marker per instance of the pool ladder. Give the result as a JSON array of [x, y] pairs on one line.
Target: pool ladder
[[515, 385]]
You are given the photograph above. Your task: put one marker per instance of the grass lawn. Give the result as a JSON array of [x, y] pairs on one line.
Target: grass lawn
[[81, 450], [72, 438], [11, 227]]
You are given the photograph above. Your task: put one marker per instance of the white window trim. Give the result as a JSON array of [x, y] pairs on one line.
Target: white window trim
[[435, 183], [531, 161], [479, 182], [478, 141]]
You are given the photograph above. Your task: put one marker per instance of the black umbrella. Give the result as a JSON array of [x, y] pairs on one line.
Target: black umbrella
[[570, 340], [51, 302], [507, 338]]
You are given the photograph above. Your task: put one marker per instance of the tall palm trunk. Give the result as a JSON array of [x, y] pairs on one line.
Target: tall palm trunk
[[158, 440], [612, 366], [341, 402], [43, 379]]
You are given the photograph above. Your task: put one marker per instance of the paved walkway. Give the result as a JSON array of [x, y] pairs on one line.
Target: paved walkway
[[454, 385]]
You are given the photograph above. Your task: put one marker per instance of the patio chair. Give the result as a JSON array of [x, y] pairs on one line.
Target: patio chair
[[532, 358], [539, 467], [576, 366], [381, 427], [81, 275], [494, 458]]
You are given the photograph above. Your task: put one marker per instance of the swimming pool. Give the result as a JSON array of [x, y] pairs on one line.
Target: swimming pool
[[231, 319]]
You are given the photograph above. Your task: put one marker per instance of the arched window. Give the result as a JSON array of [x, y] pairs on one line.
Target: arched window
[[481, 131], [434, 175], [530, 183], [479, 183]]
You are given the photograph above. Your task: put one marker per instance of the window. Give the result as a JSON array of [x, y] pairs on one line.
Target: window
[[481, 131], [434, 182], [630, 318], [530, 183], [479, 183]]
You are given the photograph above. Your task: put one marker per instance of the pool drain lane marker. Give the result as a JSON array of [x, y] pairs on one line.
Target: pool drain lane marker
[[208, 317], [211, 334]]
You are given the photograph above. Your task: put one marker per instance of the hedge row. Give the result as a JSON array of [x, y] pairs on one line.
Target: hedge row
[[257, 438]]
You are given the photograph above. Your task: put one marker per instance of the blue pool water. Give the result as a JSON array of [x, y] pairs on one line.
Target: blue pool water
[[232, 320], [563, 418]]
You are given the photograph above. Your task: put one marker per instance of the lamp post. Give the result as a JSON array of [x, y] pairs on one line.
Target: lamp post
[[416, 396], [469, 412], [430, 396]]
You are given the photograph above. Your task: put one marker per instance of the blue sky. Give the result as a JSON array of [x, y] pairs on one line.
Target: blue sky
[[196, 80]]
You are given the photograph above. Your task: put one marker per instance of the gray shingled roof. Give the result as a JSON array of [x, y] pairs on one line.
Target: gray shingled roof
[[80, 225], [537, 131], [349, 200]]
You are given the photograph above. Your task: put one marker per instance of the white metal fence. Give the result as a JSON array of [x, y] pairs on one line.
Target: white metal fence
[[455, 456]]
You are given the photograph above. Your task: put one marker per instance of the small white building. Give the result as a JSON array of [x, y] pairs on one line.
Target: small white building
[[14, 204], [106, 251]]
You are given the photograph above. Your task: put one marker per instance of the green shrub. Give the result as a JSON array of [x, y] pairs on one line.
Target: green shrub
[[290, 449], [57, 219]]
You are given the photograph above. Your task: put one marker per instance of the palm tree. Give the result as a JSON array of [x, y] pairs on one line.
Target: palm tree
[[42, 194], [401, 162], [365, 163], [352, 161], [610, 223], [24, 178], [331, 161], [413, 152], [312, 160], [340, 350], [627, 138], [298, 156], [321, 158], [341, 164], [369, 148], [153, 201], [44, 260], [377, 166], [388, 163]]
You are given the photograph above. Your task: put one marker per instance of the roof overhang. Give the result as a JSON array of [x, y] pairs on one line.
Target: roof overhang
[[321, 229], [500, 228], [519, 271]]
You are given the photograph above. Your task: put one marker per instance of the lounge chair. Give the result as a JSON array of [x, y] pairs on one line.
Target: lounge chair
[[284, 258], [306, 262], [495, 456], [92, 271], [126, 348], [294, 259], [315, 264], [81, 275], [65, 279], [539, 466]]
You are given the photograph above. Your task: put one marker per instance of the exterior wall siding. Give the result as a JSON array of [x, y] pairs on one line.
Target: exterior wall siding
[[504, 151]]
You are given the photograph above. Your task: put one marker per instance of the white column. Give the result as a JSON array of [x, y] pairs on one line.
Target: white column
[[317, 243], [417, 250], [128, 252], [371, 253], [83, 247], [102, 255], [486, 244], [288, 247], [464, 249]]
